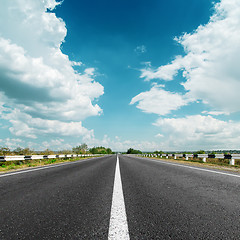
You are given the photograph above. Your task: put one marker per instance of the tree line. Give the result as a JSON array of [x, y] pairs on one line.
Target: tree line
[[80, 149]]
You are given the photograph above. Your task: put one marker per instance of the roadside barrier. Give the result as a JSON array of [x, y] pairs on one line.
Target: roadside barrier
[[35, 157], [203, 157]]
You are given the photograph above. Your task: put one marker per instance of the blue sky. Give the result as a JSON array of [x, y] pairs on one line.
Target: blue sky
[[152, 75], [116, 38]]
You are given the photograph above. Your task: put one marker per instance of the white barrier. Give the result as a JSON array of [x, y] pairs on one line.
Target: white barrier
[[14, 158], [36, 157], [204, 157]]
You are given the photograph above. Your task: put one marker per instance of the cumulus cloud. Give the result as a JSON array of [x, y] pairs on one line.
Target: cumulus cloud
[[37, 79], [24, 125], [211, 63], [159, 101], [197, 131], [166, 72]]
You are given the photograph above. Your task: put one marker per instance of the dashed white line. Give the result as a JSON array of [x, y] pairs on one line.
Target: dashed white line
[[118, 227]]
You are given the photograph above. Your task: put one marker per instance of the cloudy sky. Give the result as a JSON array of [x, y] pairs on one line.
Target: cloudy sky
[[147, 74]]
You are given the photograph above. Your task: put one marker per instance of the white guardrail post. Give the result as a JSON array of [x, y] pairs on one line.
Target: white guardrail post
[[203, 156], [232, 161], [187, 156], [233, 158]]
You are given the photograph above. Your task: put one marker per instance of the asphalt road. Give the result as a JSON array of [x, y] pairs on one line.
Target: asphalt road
[[171, 202], [162, 201]]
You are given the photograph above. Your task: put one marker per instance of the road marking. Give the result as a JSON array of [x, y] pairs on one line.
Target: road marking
[[118, 227], [42, 168], [200, 169]]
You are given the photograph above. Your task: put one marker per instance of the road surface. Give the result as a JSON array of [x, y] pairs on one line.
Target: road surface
[[160, 200]]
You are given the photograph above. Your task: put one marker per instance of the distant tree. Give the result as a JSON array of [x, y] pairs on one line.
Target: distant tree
[[109, 151], [93, 150], [80, 149], [18, 151], [5, 151], [23, 151], [200, 152], [133, 151], [158, 152], [130, 150], [103, 151], [100, 150]]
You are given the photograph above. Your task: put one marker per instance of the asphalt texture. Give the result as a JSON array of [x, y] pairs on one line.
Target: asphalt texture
[[170, 202], [68, 202], [162, 201]]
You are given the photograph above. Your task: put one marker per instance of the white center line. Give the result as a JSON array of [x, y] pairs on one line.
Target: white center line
[[118, 227]]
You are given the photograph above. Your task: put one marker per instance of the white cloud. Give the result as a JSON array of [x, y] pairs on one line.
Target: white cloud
[[76, 63], [140, 49], [11, 143], [159, 135], [215, 113], [36, 77], [166, 72], [23, 125], [54, 144], [197, 131], [159, 101], [211, 63]]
